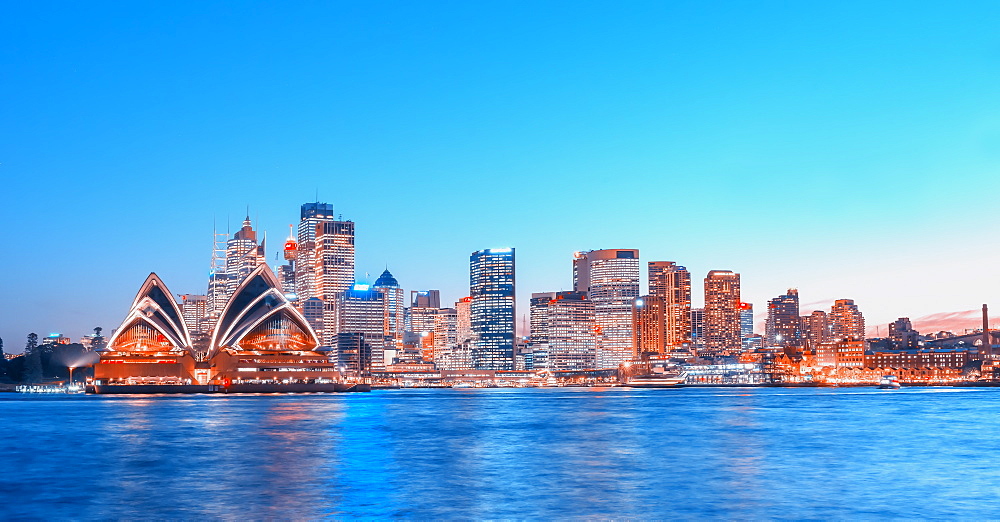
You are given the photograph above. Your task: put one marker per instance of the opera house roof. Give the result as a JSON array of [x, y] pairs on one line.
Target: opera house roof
[[259, 318], [154, 322]]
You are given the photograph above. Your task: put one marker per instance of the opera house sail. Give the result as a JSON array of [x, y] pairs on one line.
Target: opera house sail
[[152, 345], [261, 338]]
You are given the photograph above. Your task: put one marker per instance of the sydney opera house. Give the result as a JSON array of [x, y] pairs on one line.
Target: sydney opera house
[[260, 344]]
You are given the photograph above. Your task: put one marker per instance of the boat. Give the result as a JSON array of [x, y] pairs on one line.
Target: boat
[[461, 385], [656, 381], [889, 382]]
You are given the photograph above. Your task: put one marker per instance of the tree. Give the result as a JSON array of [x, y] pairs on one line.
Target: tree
[[98, 341], [33, 360]]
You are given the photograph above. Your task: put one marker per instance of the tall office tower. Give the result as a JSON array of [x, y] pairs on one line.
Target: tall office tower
[[783, 326], [698, 328], [311, 217], [491, 283], [194, 308], [286, 272], [672, 283], [611, 280], [722, 313], [425, 298], [361, 310], [846, 320], [243, 255], [392, 314], [901, 334], [649, 332], [334, 270], [564, 334]]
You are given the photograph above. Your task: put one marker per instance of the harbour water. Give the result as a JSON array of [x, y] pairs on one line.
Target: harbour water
[[744, 453]]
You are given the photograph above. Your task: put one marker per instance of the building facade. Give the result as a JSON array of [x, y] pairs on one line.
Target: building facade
[[492, 309], [671, 283], [611, 280], [722, 313]]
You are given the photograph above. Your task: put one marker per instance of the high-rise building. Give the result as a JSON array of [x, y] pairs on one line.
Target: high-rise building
[[563, 331], [722, 313], [311, 217], [425, 298], [392, 314], [243, 255], [698, 328], [361, 310], [815, 328], [491, 284], [194, 308], [445, 334], [846, 320], [746, 327], [334, 269], [672, 283], [783, 326], [649, 322], [902, 335], [611, 280], [457, 355]]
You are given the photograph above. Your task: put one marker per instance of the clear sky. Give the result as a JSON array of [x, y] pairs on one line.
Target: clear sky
[[849, 149]]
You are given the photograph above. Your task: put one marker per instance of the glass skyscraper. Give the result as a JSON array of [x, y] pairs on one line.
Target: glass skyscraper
[[491, 284]]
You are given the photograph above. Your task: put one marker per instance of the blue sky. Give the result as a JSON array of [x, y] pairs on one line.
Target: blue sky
[[851, 150]]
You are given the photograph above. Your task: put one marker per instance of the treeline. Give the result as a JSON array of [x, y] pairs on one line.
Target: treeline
[[46, 362]]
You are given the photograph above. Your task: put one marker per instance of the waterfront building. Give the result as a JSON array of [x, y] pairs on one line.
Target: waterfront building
[[918, 358], [722, 313], [902, 335], [563, 331], [649, 323], [194, 309], [783, 327], [672, 284], [153, 343], [841, 353], [261, 337], [611, 280], [846, 320], [491, 285]]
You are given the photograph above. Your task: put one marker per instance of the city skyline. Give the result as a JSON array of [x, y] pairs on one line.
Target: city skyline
[[750, 139]]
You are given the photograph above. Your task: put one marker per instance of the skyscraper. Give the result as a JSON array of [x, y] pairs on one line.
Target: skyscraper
[[563, 332], [611, 280], [722, 313], [243, 254], [746, 327], [698, 329], [846, 320], [392, 313], [783, 326], [816, 328], [334, 271], [649, 322], [672, 283], [312, 215], [361, 310], [194, 308], [491, 284]]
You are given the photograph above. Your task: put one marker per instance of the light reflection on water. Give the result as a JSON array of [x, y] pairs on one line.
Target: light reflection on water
[[546, 453]]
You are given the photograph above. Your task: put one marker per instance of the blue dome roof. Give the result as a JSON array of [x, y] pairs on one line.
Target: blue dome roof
[[386, 279]]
